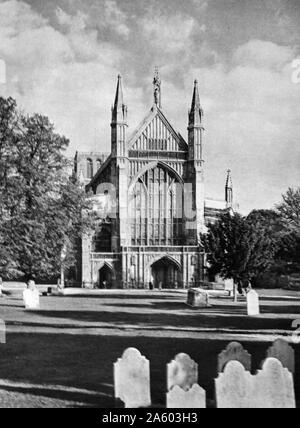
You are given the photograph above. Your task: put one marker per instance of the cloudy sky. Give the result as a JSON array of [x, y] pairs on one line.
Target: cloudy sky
[[63, 57]]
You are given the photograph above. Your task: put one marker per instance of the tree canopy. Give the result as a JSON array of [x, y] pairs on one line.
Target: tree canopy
[[41, 207], [289, 209], [289, 250], [244, 248], [241, 248]]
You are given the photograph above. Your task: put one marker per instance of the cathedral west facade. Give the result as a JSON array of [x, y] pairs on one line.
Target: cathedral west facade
[[150, 196]]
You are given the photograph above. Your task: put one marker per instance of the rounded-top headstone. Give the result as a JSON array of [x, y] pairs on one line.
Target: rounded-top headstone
[[234, 352], [284, 353], [253, 303], [275, 386], [183, 372], [132, 379]]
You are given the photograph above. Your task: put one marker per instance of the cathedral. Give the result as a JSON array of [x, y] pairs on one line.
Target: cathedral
[[149, 196]]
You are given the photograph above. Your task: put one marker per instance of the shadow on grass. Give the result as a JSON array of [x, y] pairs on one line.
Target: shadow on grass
[[20, 306], [87, 399], [280, 299], [128, 296], [215, 317]]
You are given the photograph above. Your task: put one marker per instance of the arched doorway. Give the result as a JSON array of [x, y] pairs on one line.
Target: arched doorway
[[166, 274], [105, 277]]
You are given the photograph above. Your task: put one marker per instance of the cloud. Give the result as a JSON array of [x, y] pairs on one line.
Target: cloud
[[170, 34], [62, 60], [264, 54], [65, 72], [17, 16], [115, 18], [76, 23], [83, 40], [252, 121], [252, 114]]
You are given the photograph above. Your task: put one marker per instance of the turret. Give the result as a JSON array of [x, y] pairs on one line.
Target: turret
[[229, 189], [196, 128], [119, 124], [196, 162]]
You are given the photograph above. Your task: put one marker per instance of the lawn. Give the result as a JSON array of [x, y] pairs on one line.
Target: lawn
[[63, 354]]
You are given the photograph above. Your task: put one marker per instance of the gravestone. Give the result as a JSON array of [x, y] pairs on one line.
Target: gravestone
[[31, 297], [2, 332], [132, 379], [195, 398], [198, 298], [182, 372], [253, 303], [234, 352], [229, 285], [274, 386], [282, 351], [234, 387]]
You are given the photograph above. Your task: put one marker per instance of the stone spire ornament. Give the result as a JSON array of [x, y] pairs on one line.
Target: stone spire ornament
[[229, 189], [196, 112], [157, 88], [119, 124], [119, 109]]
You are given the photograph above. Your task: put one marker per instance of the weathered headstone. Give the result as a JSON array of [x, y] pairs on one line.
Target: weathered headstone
[[132, 379], [31, 297], [195, 398], [182, 372], [198, 298], [2, 332], [229, 285], [234, 352], [234, 387], [284, 353], [253, 303], [274, 386]]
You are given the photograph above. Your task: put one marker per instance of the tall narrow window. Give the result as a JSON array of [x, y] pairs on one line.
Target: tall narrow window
[[98, 164], [89, 172]]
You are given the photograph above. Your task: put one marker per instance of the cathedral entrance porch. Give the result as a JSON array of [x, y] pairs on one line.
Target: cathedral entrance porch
[[165, 274], [105, 277], [161, 267], [144, 268]]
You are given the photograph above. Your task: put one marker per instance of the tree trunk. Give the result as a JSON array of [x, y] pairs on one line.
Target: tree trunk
[[62, 277]]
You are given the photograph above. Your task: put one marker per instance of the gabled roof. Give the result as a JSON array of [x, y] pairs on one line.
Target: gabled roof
[[156, 111]]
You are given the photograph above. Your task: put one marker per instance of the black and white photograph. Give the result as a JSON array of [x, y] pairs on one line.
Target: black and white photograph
[[150, 207]]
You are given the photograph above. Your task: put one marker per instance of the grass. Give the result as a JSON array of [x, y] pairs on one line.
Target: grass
[[62, 355]]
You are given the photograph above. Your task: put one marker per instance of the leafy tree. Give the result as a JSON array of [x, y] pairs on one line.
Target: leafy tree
[[240, 248], [42, 209], [288, 256], [269, 219], [289, 209], [9, 191]]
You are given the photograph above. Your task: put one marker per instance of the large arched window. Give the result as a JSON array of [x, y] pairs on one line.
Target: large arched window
[[89, 169], [156, 209]]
